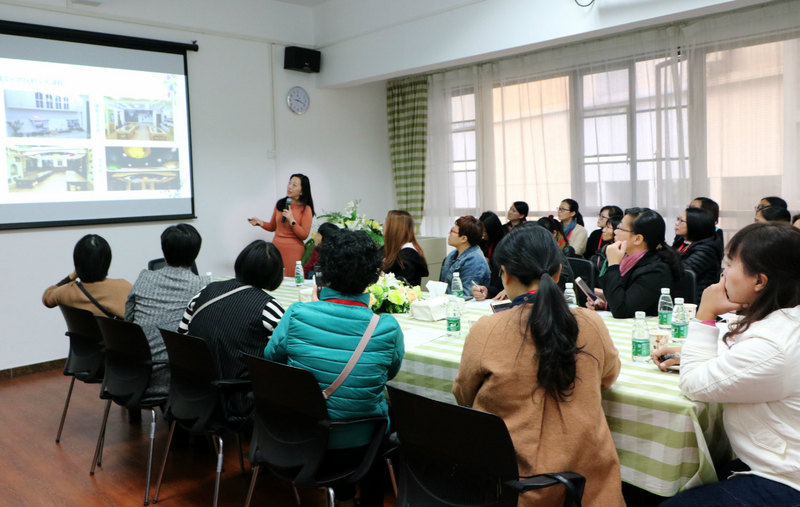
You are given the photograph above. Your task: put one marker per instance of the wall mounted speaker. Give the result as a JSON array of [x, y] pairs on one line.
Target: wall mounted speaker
[[301, 59]]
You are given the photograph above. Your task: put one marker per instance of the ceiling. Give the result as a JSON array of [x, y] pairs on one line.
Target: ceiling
[[306, 3]]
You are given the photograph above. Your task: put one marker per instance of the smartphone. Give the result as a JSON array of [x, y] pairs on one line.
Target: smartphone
[[585, 289], [499, 306]]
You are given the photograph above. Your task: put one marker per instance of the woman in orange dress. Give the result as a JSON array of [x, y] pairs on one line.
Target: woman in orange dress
[[291, 221]]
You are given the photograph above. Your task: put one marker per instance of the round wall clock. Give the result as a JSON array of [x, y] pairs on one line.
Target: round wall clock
[[298, 100]]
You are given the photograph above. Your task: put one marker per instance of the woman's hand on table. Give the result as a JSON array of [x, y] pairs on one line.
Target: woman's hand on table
[[615, 252], [479, 292], [256, 222], [665, 357], [715, 302]]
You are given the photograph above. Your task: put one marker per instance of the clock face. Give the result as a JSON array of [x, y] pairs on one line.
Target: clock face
[[298, 100]]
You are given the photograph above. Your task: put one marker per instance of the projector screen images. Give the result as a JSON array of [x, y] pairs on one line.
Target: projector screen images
[[93, 133]]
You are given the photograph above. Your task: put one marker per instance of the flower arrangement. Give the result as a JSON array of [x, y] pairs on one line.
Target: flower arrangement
[[350, 219], [390, 295]]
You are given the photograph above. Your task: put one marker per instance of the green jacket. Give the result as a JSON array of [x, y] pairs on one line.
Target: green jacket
[[321, 336]]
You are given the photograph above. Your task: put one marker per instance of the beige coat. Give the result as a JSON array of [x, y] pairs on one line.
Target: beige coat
[[112, 293], [498, 375]]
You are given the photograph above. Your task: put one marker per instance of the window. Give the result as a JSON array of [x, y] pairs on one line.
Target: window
[[39, 97], [66, 102], [58, 102], [464, 162], [48, 101]]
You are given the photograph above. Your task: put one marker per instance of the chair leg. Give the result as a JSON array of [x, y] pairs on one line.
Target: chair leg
[[100, 437], [164, 461], [150, 455], [391, 475], [331, 497], [296, 494], [218, 444], [252, 486], [64, 413], [241, 453]]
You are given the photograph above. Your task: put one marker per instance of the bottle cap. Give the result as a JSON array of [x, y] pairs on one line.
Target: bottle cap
[[568, 285], [665, 290], [298, 262], [638, 315], [678, 301]]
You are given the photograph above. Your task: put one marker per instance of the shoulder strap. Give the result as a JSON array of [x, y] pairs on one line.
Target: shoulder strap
[[94, 301], [373, 323], [221, 296]]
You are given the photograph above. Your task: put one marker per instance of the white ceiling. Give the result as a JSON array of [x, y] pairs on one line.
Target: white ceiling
[[307, 3]]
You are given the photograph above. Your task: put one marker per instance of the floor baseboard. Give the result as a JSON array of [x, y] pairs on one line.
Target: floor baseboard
[[19, 371]]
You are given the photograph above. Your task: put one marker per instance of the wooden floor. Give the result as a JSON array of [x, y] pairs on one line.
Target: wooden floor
[[35, 471]]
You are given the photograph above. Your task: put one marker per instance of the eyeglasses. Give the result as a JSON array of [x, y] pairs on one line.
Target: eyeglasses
[[563, 209], [609, 225], [453, 230], [680, 220], [602, 216], [762, 207], [620, 228]]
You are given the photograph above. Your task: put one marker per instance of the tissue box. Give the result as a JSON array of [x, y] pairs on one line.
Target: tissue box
[[430, 309]]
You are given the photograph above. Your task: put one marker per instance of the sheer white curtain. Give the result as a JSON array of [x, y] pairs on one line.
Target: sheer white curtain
[[650, 118]]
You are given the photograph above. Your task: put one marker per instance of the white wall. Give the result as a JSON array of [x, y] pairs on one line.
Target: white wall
[[245, 143], [364, 40]]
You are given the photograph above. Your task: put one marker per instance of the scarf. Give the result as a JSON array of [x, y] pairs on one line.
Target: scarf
[[629, 261]]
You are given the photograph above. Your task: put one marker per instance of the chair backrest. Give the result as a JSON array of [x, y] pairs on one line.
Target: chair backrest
[[583, 268], [685, 287], [194, 394], [86, 360], [291, 424], [155, 264], [128, 361], [451, 455]]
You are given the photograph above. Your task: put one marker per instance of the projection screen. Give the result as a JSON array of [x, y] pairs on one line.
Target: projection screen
[[95, 128]]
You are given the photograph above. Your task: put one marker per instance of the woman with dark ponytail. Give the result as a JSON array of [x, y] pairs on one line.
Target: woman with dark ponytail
[[640, 264], [541, 366]]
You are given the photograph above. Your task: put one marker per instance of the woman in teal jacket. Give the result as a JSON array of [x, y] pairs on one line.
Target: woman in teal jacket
[[321, 336]]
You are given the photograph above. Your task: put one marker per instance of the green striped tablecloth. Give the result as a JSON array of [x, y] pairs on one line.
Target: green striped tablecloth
[[665, 441]]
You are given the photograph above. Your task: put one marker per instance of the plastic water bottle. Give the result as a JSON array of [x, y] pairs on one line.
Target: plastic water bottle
[[665, 309], [453, 317], [569, 295], [640, 339], [680, 321], [299, 279], [456, 288]]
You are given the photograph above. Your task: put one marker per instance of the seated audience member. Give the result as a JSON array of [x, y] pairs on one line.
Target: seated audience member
[[320, 336], [467, 257], [768, 202], [158, 298], [572, 222], [556, 228], [594, 242], [493, 232], [796, 220], [237, 316], [712, 207], [607, 238], [87, 288], [323, 231], [752, 371], [516, 215], [700, 251], [541, 367], [402, 255], [773, 214], [639, 265], [495, 288]]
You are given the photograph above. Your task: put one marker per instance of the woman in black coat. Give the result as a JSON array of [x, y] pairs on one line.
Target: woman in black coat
[[700, 250]]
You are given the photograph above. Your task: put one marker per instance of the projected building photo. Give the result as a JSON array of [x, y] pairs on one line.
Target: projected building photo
[[49, 169], [46, 114], [140, 119], [142, 168]]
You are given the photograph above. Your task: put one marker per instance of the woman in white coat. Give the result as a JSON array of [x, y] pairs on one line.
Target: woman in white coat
[[754, 372]]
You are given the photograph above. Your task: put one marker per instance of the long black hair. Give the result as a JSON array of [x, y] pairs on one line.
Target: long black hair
[[305, 194], [494, 229], [771, 249], [573, 206], [554, 225], [530, 253], [699, 224], [650, 224]]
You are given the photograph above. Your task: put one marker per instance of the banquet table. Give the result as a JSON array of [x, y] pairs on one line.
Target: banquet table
[[666, 442]]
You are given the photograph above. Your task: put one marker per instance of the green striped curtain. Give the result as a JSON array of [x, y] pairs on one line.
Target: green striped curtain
[[407, 111]]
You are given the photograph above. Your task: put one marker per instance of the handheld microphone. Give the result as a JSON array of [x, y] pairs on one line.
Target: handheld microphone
[[288, 202]]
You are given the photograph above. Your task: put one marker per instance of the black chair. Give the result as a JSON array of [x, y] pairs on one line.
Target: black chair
[[86, 361], [128, 368], [456, 456], [291, 428], [197, 398], [156, 264], [586, 270], [685, 287]]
